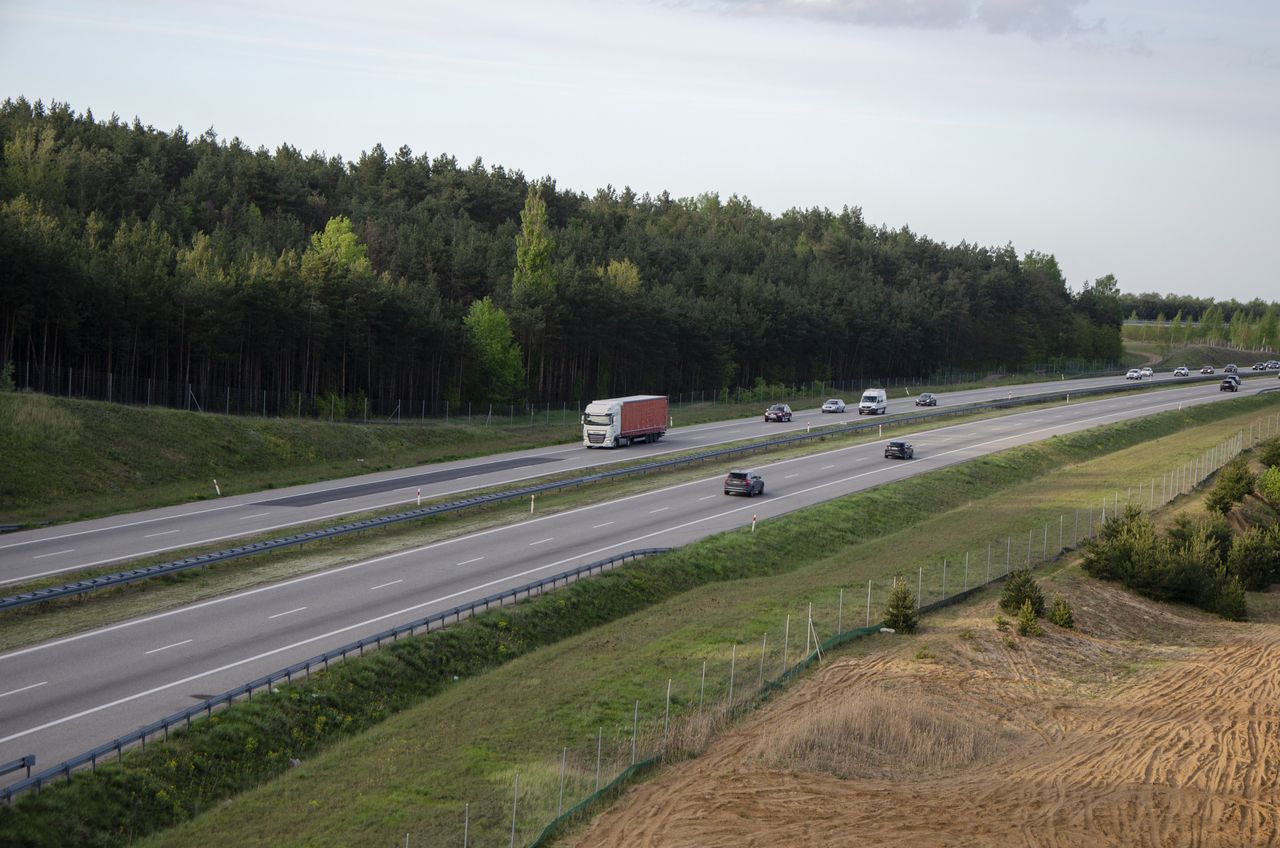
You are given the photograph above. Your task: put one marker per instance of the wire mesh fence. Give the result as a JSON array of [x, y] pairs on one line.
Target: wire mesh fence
[[545, 797]]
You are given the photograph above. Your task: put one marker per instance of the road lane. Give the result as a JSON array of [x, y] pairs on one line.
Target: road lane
[[73, 693], [35, 554]]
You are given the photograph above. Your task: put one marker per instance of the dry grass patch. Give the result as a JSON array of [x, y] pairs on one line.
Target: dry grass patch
[[885, 732]]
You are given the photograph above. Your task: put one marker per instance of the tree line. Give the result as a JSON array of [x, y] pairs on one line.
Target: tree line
[[1256, 328], [150, 254]]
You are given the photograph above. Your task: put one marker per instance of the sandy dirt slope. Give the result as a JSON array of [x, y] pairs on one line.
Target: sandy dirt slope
[[1146, 726]]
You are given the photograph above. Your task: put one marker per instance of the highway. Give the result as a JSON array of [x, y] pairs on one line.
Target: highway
[[65, 696], [66, 548]]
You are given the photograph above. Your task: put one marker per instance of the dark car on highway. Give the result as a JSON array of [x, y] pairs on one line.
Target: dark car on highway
[[778, 412], [743, 483], [899, 450], [927, 399], [1229, 385]]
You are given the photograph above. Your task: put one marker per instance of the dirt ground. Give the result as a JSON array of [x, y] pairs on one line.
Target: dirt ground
[[1147, 725]]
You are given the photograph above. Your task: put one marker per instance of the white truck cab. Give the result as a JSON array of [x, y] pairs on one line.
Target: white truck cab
[[874, 402]]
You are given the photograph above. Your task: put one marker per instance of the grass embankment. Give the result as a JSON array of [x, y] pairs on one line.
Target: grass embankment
[[66, 459], [1164, 357], [561, 667]]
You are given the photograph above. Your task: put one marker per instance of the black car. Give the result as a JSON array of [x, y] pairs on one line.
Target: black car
[[778, 412], [927, 399], [899, 450], [1229, 386], [743, 483], [1231, 369]]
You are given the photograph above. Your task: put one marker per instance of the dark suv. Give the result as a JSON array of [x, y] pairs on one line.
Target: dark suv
[[899, 450], [743, 483], [778, 412]]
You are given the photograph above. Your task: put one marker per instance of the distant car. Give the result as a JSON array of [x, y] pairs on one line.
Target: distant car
[[1259, 366], [927, 399], [1274, 363], [1148, 371], [833, 405], [1181, 371], [1229, 385], [899, 450], [1231, 369], [1208, 369], [778, 412], [742, 482], [1134, 374]]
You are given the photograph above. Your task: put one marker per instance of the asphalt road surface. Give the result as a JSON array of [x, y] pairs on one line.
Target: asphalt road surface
[[63, 697], [65, 548]]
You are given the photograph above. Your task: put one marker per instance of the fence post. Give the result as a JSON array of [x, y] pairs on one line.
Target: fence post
[[733, 666], [666, 717], [635, 724], [515, 800], [702, 687], [564, 761], [599, 743], [840, 614], [868, 603], [786, 643], [764, 647]]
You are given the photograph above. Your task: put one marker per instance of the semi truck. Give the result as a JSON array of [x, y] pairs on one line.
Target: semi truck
[[617, 422]]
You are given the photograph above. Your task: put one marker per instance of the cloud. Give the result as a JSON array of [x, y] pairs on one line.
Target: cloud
[[1039, 19]]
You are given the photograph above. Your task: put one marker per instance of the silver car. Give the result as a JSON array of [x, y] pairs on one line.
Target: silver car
[[833, 405]]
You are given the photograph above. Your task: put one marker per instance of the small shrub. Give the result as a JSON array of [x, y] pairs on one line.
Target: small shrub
[[1234, 482], [900, 609], [966, 635], [1269, 453], [1230, 602], [1028, 624], [1060, 613], [6, 378], [1011, 643], [1255, 558], [924, 653], [1021, 588], [1002, 623]]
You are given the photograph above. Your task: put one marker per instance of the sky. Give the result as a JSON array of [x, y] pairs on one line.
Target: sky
[[1139, 138]]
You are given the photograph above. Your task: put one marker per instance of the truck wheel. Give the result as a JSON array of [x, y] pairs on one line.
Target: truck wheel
[[616, 441]]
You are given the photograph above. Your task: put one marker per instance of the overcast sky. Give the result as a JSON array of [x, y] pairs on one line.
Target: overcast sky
[[1134, 137]]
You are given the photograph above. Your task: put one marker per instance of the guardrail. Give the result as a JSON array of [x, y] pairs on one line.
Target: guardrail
[[92, 584], [17, 765], [205, 708]]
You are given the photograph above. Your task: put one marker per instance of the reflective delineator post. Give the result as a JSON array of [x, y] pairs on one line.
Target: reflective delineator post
[[753, 524], [419, 497], [215, 487]]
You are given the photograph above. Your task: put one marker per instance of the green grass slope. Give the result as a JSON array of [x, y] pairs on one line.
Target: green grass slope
[[65, 458]]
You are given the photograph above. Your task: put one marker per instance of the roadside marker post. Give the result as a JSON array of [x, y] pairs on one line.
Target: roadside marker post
[[532, 498], [753, 524], [215, 487], [419, 497]]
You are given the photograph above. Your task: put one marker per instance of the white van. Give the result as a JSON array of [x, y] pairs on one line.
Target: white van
[[874, 402]]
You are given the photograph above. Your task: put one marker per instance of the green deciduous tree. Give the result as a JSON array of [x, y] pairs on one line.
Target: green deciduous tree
[[498, 370]]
